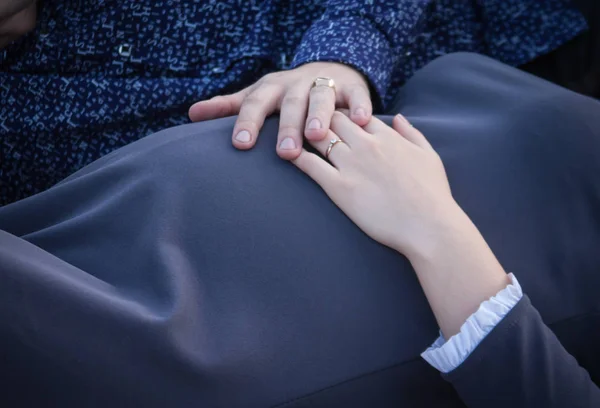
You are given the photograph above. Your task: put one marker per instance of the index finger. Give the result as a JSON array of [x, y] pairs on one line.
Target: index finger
[[218, 107], [323, 173], [254, 110]]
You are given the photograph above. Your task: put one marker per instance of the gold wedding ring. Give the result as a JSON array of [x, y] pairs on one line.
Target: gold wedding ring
[[332, 143], [324, 81]]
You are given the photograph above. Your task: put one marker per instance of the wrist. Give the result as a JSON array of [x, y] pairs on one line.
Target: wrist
[[457, 270], [449, 226]]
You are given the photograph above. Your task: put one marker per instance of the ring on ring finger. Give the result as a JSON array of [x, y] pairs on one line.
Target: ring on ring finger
[[332, 144]]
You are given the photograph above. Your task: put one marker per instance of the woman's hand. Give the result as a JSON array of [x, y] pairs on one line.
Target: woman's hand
[[305, 111], [390, 182]]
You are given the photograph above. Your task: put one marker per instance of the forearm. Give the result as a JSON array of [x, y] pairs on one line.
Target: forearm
[[457, 271]]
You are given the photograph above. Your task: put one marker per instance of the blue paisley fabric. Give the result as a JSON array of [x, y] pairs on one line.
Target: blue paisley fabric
[[98, 74]]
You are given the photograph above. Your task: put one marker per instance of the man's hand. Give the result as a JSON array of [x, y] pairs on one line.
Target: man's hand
[[304, 111]]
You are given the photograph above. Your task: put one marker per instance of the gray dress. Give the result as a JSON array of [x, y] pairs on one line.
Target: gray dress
[[179, 272]]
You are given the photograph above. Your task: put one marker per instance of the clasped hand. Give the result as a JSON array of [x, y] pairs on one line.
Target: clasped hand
[[389, 181]]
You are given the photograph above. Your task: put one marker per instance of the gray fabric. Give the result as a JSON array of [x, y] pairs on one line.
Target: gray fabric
[[180, 272]]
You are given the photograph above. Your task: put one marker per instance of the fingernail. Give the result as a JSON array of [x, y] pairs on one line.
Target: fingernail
[[360, 112], [314, 124], [243, 136], [287, 144], [403, 119]]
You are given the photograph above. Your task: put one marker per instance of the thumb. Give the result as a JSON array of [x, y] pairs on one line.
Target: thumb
[[218, 107]]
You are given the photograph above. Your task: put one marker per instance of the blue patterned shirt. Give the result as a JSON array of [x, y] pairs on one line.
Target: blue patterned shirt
[[98, 74]]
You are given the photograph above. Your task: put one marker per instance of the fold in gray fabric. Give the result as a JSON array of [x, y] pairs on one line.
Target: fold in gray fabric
[[180, 272]]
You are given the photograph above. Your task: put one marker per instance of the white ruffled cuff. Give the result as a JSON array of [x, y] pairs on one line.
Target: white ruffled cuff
[[447, 355]]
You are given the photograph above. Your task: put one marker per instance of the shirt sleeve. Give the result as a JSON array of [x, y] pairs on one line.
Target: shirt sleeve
[[510, 22], [445, 356], [521, 363], [368, 35]]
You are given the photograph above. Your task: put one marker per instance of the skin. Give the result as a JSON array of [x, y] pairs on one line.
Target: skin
[[393, 185], [17, 18], [304, 111]]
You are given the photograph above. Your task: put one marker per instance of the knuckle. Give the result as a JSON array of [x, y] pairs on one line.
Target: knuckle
[[288, 130], [226, 103], [358, 89], [246, 124], [255, 102], [322, 93], [252, 100], [279, 74], [292, 99], [266, 85], [267, 79], [274, 78], [321, 104], [370, 145]]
